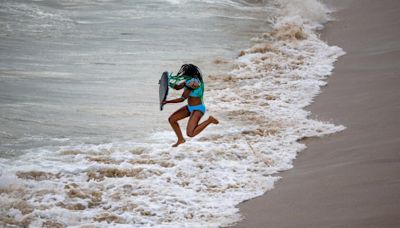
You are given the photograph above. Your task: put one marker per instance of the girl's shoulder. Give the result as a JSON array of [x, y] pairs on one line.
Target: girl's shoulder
[[193, 83]]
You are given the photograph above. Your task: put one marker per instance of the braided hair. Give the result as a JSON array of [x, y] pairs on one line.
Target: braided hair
[[190, 70]]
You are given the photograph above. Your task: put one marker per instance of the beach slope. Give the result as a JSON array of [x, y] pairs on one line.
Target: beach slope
[[350, 179]]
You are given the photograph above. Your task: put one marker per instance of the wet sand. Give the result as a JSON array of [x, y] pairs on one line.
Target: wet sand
[[350, 179]]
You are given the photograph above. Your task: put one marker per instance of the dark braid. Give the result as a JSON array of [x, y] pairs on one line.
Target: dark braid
[[191, 70]]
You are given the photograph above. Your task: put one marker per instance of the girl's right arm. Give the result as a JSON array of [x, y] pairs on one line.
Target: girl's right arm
[[184, 96], [180, 86]]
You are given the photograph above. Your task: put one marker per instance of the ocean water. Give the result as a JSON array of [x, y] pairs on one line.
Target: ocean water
[[87, 71], [82, 140]]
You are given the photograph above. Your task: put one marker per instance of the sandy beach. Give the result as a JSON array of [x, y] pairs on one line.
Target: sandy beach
[[350, 179]]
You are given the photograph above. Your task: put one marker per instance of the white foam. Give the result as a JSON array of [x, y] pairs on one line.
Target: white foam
[[137, 184], [310, 12]]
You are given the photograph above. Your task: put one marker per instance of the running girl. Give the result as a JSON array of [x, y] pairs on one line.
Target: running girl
[[193, 91]]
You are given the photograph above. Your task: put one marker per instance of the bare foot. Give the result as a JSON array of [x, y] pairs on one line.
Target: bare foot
[[180, 141], [213, 120]]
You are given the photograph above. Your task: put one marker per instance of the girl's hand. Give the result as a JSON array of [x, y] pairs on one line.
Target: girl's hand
[[164, 102]]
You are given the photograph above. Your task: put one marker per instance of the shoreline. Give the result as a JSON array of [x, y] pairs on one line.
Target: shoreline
[[350, 178]]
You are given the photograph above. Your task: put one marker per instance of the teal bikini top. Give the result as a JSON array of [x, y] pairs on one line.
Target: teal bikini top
[[174, 80], [197, 91]]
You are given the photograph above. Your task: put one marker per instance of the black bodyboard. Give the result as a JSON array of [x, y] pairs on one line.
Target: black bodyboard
[[163, 88]]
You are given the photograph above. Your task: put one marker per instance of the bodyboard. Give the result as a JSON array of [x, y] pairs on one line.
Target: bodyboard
[[163, 88]]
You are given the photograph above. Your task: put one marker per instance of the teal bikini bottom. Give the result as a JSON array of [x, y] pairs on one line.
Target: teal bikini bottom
[[199, 107]]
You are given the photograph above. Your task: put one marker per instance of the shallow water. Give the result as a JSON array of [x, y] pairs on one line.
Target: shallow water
[[87, 71]]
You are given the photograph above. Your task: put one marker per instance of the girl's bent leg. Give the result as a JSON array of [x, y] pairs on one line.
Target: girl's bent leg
[[194, 128], [173, 120]]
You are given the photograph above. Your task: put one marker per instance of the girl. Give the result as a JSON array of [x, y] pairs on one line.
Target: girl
[[193, 91]]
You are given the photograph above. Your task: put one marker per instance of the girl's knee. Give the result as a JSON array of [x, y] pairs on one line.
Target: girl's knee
[[190, 133], [171, 119]]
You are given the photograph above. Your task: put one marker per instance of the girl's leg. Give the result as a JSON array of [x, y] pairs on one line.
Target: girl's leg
[[173, 120], [194, 128]]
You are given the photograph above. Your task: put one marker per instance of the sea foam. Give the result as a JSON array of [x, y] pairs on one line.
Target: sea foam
[[260, 104]]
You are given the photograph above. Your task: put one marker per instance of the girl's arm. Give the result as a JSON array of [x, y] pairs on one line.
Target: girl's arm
[[180, 86], [184, 96]]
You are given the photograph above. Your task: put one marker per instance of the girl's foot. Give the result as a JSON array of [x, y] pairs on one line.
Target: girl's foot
[[213, 120], [180, 141]]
